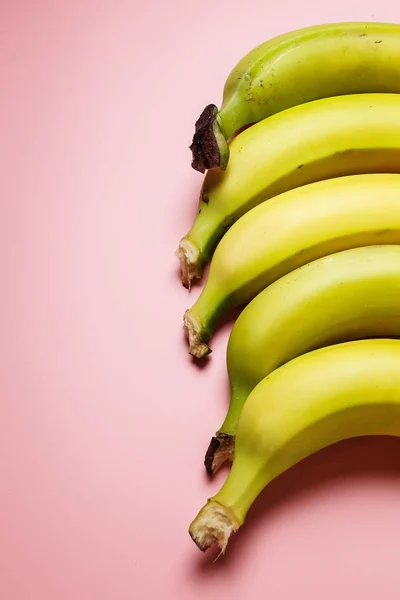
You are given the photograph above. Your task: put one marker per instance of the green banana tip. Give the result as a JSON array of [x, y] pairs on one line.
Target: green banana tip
[[209, 146], [220, 451]]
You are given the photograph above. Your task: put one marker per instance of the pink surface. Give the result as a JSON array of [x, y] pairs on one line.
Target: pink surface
[[104, 420]]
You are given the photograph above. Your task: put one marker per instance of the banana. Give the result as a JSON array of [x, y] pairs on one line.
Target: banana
[[350, 295], [287, 232], [326, 138], [331, 394], [297, 67]]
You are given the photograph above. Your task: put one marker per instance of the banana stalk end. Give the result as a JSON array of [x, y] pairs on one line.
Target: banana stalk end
[[209, 146], [196, 336], [220, 451], [188, 255], [213, 525]]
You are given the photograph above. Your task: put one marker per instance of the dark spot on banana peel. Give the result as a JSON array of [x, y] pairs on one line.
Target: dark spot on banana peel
[[300, 166], [362, 34], [204, 147], [228, 222], [378, 41], [205, 199], [346, 152]]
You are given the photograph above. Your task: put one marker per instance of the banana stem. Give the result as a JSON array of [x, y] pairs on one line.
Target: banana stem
[[201, 319], [214, 524], [189, 258], [209, 146], [220, 451], [196, 335], [196, 247]]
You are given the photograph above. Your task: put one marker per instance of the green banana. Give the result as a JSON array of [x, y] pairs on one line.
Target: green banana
[[287, 232], [297, 67], [331, 394], [326, 138], [350, 295]]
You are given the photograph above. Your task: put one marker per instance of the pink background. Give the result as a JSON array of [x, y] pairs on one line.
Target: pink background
[[104, 419]]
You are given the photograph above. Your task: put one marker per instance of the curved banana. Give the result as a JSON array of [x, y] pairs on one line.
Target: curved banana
[[346, 296], [287, 232], [342, 391], [297, 67], [326, 138]]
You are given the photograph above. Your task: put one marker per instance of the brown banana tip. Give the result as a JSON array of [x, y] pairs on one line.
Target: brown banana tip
[[204, 146], [195, 335], [220, 451], [209, 457], [201, 545], [200, 351], [213, 525], [188, 255]]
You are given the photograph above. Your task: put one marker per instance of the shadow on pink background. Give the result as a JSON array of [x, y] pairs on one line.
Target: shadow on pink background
[[104, 419]]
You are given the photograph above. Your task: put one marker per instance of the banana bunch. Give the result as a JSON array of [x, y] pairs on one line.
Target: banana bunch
[[299, 214]]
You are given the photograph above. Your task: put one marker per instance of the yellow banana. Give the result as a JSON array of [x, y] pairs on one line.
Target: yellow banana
[[297, 67], [350, 295], [326, 138], [331, 394], [289, 231]]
